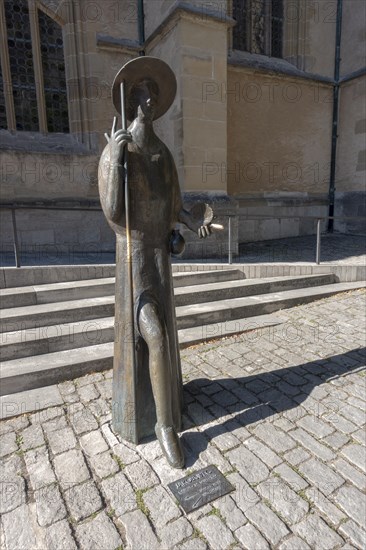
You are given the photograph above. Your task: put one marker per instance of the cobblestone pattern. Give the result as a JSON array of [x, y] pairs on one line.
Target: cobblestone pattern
[[280, 411]]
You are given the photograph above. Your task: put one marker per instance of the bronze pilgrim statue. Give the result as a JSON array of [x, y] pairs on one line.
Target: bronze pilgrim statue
[[141, 199]]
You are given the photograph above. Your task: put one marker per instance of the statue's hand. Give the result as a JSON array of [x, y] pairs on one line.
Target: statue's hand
[[201, 219], [206, 230], [117, 141]]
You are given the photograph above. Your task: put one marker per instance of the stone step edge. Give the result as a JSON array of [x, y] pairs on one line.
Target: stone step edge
[[62, 285], [185, 314], [34, 295], [84, 302], [30, 401], [11, 277], [54, 332], [73, 329], [191, 336], [100, 281], [243, 283], [261, 299], [104, 352], [64, 330], [21, 397]]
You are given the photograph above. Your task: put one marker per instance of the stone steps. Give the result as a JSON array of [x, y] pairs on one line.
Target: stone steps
[[51, 368], [56, 331], [17, 397], [80, 334], [28, 401], [56, 292], [54, 338], [52, 313], [248, 306], [246, 287], [38, 331], [35, 371], [92, 288], [32, 372], [11, 277], [28, 317]]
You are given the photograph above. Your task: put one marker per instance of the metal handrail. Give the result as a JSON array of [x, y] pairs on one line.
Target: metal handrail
[[45, 206], [94, 207], [319, 219], [51, 206]]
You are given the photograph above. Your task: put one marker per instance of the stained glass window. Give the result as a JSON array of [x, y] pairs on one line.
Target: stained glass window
[[27, 68], [277, 28], [53, 64], [21, 65], [258, 16], [259, 25]]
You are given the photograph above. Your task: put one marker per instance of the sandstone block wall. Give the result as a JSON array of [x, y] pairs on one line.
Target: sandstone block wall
[[248, 133]]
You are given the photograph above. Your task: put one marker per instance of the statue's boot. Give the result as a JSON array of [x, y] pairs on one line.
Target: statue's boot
[[171, 445]]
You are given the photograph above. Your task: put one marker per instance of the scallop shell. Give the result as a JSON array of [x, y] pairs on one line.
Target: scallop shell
[[202, 213]]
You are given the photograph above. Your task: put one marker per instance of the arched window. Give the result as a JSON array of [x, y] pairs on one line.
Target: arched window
[[21, 65], [259, 26], [53, 65], [32, 81]]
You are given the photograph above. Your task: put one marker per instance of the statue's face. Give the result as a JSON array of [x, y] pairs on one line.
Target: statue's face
[[146, 95]]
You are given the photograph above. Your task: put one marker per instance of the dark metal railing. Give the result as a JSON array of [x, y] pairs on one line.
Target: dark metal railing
[[93, 206], [318, 219], [47, 205]]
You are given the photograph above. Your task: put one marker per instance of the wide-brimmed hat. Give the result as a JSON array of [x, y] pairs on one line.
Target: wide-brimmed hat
[[138, 69]]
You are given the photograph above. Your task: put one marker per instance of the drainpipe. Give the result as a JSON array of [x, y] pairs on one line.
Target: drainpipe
[[333, 158], [141, 24]]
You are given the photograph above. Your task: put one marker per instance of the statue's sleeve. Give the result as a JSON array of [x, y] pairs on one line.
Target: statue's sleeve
[[111, 188]]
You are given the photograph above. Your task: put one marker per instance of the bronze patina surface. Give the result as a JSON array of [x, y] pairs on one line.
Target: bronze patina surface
[[147, 380]]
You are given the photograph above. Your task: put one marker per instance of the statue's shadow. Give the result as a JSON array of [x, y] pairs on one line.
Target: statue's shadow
[[244, 401]]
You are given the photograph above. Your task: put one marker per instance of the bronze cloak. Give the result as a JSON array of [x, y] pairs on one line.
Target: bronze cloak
[[155, 202]]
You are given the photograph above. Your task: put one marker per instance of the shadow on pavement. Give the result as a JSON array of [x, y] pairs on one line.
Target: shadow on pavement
[[254, 398]]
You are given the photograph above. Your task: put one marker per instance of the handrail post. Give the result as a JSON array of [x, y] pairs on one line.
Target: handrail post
[[318, 237], [230, 252], [15, 238]]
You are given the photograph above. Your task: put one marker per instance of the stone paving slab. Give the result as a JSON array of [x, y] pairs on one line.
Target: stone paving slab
[[279, 410], [335, 249]]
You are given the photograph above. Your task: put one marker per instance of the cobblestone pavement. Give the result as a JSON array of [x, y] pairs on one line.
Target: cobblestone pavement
[[280, 411]]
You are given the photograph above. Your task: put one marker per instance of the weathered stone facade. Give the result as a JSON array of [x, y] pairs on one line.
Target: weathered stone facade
[[250, 133]]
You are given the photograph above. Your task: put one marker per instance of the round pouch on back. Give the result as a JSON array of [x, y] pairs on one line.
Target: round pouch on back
[[177, 243]]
